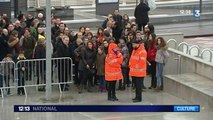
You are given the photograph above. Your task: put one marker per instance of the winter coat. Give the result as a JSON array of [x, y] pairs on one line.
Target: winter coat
[[87, 57], [130, 48], [117, 32], [20, 31], [21, 72], [40, 51], [104, 24], [29, 22], [14, 50], [4, 48], [100, 64], [141, 13], [28, 44], [118, 19], [126, 55], [78, 50], [151, 53], [162, 55], [63, 50]]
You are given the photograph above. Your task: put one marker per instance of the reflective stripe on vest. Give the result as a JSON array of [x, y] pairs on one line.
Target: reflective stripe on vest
[[137, 70], [112, 74], [137, 58]]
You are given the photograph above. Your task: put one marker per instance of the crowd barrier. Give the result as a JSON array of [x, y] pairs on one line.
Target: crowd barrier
[[7, 77], [31, 73]]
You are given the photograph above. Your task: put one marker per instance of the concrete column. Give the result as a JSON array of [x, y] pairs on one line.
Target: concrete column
[[48, 50]]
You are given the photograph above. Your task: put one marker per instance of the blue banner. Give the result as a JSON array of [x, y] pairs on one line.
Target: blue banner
[[106, 108], [196, 13]]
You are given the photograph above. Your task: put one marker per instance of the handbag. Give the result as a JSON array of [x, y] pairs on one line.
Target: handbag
[[92, 71]]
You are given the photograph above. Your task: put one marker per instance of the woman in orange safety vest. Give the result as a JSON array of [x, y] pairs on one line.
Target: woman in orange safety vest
[[137, 65], [113, 72]]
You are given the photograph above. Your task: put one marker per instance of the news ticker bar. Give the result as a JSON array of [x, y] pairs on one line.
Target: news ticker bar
[[106, 108]]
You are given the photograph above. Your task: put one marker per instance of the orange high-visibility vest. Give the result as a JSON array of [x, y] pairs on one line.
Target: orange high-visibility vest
[[113, 63], [137, 62]]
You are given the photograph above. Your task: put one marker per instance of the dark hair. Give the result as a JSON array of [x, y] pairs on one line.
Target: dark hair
[[27, 30], [100, 28], [131, 32], [151, 28], [89, 42], [128, 29], [152, 43], [9, 55], [14, 33], [21, 51], [123, 38], [81, 27], [111, 40], [20, 16], [106, 33], [126, 15], [162, 42], [43, 33], [106, 39], [133, 25], [153, 36], [101, 47], [63, 24], [138, 31], [90, 34], [12, 36]]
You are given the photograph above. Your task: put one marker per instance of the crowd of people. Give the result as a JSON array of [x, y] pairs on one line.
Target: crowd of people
[[121, 50]]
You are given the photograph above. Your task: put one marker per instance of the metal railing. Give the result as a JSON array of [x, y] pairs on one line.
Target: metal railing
[[181, 45], [204, 51], [31, 73], [190, 49], [172, 41], [7, 77], [194, 47], [39, 3]]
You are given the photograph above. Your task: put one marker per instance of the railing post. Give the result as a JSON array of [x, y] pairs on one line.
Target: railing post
[[178, 64]]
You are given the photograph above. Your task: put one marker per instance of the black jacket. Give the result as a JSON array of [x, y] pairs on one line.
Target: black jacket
[[63, 50], [20, 31], [118, 19], [4, 48], [88, 57], [40, 52], [104, 24], [29, 22], [117, 32], [141, 13]]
